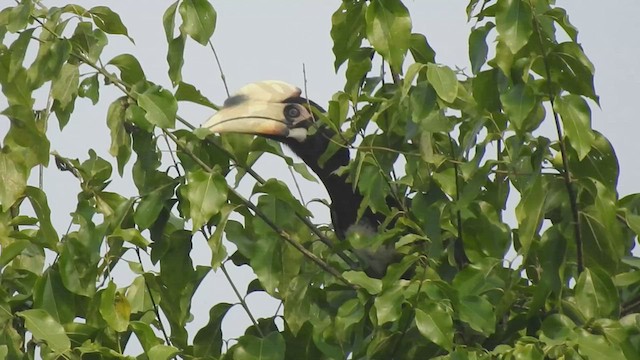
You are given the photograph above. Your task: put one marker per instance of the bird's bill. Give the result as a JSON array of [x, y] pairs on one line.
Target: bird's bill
[[255, 117]]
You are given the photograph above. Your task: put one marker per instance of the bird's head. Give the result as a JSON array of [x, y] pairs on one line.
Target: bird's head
[[272, 109]]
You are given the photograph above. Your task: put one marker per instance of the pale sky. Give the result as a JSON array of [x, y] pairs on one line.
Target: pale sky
[[260, 40]]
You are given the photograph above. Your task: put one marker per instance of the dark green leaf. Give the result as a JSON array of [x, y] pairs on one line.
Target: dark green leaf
[[89, 88], [478, 46], [421, 50], [175, 59], [559, 15], [518, 101], [280, 190], [87, 41], [40, 205], [576, 121], [198, 20], [389, 30], [208, 340], [188, 92], [50, 294], [218, 250], [271, 347], [530, 212], [169, 20]]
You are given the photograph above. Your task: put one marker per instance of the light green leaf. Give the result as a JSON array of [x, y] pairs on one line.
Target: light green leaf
[[435, 324], [388, 305], [478, 312], [478, 48], [65, 86], [132, 236], [444, 81], [13, 176], [206, 192], [514, 22], [169, 20], [372, 286], [115, 308], [175, 59], [120, 138], [40, 205], [576, 121], [163, 352], [271, 347], [596, 295], [45, 328], [160, 105], [389, 30], [198, 20]]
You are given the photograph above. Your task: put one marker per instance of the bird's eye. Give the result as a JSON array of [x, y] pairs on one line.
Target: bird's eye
[[291, 111]]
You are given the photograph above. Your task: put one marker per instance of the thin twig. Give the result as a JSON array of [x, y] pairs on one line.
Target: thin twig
[[243, 303], [459, 255], [222, 76]]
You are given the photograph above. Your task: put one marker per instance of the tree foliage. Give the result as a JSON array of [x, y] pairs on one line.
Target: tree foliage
[[463, 146]]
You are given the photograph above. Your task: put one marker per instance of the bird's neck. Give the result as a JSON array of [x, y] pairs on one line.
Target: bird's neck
[[344, 201]]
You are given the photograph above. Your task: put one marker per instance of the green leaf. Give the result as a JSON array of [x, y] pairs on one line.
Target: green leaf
[[115, 308], [435, 324], [89, 88], [50, 294], [17, 51], [206, 192], [597, 347], [218, 250], [420, 49], [120, 138], [444, 81], [600, 164], [130, 70], [349, 314], [40, 205], [45, 328], [175, 59], [208, 340], [514, 22], [596, 294], [576, 121], [163, 352], [188, 92], [529, 213], [132, 236], [10, 251], [559, 15], [198, 20], [372, 286], [87, 41], [359, 67], [518, 101], [572, 70], [347, 30], [389, 30], [65, 87], [160, 105], [280, 190], [478, 312], [485, 90], [13, 176], [19, 16], [478, 48], [169, 20], [388, 305], [271, 347], [145, 334], [556, 329], [108, 21]]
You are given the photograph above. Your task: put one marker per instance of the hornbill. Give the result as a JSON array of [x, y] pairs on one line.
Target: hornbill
[[276, 110]]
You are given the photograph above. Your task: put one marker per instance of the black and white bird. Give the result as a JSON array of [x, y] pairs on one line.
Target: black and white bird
[[276, 110]]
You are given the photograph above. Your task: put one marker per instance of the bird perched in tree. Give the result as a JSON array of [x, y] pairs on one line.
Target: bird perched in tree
[[276, 110]]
